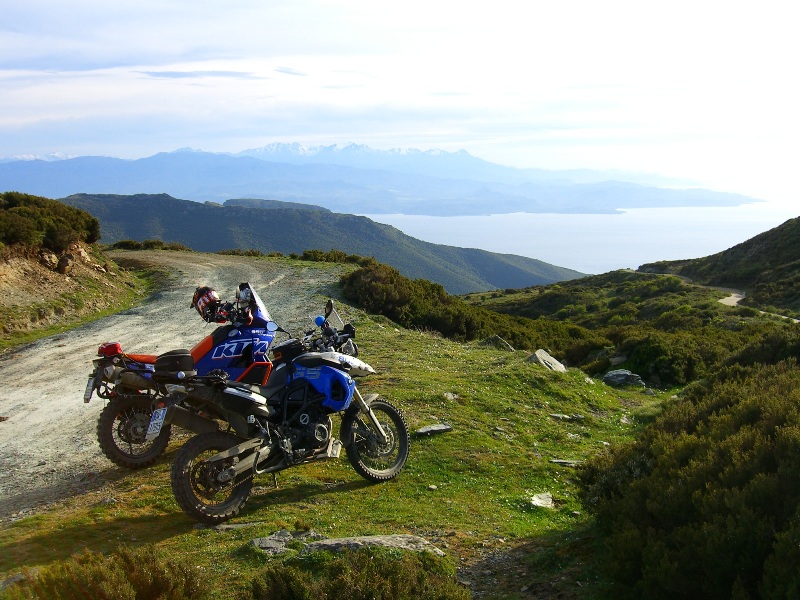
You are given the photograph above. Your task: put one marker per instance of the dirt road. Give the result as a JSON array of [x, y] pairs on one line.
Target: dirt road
[[48, 444]]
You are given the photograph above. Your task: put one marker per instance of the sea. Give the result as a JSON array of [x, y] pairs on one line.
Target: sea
[[599, 243]]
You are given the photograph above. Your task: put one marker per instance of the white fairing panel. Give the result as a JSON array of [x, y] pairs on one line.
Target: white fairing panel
[[357, 367]]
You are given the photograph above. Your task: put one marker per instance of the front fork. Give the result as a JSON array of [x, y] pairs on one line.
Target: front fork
[[363, 404]]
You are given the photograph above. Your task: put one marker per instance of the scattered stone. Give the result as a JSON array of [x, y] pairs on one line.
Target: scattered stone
[[617, 360], [431, 429], [565, 463], [48, 259], [65, 264], [622, 377], [589, 380], [14, 579], [451, 396], [402, 541], [497, 342], [541, 357], [278, 542], [650, 392], [433, 487], [544, 500], [563, 417]]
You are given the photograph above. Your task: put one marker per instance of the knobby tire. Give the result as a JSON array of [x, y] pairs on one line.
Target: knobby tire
[[121, 429], [193, 484], [373, 459]]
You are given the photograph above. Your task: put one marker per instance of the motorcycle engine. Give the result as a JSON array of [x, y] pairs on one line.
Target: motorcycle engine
[[314, 431]]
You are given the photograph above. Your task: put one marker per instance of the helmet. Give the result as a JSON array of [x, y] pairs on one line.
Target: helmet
[[205, 300]]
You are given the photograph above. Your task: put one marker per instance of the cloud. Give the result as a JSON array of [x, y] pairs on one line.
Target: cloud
[[200, 74], [288, 71]]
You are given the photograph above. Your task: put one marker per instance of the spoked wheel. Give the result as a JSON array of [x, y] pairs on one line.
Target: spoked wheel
[[121, 432], [372, 456], [196, 483]]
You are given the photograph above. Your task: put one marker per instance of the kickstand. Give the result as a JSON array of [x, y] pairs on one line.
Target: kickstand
[[275, 480]]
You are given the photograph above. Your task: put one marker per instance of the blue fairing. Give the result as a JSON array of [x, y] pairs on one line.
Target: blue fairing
[[236, 353], [336, 385]]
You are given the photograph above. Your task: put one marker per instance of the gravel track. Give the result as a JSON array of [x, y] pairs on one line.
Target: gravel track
[[48, 443]]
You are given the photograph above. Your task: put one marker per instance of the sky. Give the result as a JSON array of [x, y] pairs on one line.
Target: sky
[[701, 90]]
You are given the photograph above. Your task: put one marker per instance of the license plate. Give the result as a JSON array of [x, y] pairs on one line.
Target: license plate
[[87, 395], [156, 423]]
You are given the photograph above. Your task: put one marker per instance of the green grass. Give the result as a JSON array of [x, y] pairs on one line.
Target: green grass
[[468, 489], [131, 287]]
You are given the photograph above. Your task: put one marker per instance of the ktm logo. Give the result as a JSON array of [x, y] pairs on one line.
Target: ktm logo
[[236, 349]]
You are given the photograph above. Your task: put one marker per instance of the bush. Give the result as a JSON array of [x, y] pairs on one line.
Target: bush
[[381, 289], [706, 502], [124, 574], [36, 221], [149, 245], [366, 574]]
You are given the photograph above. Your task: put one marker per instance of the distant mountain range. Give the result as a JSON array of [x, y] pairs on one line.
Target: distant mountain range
[[268, 226], [358, 180]]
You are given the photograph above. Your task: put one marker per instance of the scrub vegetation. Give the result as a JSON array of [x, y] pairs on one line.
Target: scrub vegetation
[[689, 488]]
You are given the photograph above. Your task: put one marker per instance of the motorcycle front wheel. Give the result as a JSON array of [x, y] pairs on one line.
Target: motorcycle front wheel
[[195, 483], [121, 432], [373, 457]]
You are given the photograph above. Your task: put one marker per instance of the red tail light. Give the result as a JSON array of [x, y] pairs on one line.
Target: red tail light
[[109, 349]]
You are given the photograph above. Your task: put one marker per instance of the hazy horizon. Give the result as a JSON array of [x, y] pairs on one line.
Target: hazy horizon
[[693, 91], [599, 243]]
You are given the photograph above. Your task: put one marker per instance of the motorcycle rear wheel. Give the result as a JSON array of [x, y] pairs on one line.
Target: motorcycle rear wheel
[[373, 458], [121, 432], [194, 482]]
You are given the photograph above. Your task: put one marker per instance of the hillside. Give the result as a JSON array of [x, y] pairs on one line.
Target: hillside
[[361, 183], [767, 267], [469, 491], [549, 483], [210, 227], [659, 327]]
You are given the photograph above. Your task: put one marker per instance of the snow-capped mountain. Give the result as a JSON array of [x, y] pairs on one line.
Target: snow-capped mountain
[[53, 156]]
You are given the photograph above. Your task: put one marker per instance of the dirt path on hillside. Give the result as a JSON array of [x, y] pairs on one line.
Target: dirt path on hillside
[[48, 444]]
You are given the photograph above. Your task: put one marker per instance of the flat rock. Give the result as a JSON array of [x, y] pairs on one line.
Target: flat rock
[[402, 541], [542, 357], [431, 429]]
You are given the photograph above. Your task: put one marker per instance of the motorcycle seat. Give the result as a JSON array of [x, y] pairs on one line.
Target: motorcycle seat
[[147, 359]]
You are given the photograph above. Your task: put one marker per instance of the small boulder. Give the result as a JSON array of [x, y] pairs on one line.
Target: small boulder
[[65, 264], [542, 357], [48, 259], [543, 500], [437, 428], [622, 377]]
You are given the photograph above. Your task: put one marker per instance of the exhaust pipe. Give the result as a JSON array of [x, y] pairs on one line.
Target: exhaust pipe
[[177, 415]]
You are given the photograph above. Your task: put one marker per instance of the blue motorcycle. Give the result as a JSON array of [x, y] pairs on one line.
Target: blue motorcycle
[[284, 423], [239, 347]]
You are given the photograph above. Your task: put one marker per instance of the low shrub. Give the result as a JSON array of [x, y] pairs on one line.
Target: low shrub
[[366, 574], [124, 574], [706, 502], [36, 221]]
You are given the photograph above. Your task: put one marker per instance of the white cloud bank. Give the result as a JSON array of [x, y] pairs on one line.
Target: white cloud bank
[[702, 90]]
